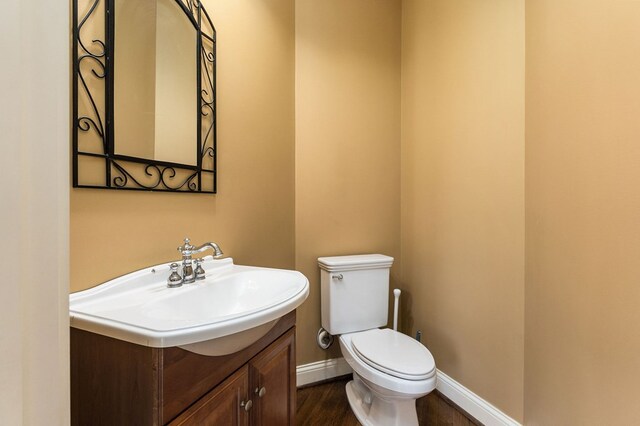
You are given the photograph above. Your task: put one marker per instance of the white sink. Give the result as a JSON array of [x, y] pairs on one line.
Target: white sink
[[227, 311]]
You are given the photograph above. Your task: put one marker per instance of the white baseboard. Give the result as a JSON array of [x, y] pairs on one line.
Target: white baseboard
[[475, 406], [321, 370]]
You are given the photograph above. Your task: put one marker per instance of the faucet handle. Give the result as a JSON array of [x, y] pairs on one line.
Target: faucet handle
[[174, 280], [187, 247], [199, 271]]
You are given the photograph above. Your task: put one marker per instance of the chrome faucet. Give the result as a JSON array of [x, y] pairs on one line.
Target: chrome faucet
[[189, 275]]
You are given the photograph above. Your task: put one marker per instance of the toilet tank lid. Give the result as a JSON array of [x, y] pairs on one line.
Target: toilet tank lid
[[355, 262]]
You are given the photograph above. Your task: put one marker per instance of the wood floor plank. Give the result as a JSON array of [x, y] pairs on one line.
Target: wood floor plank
[[428, 409], [327, 405], [445, 413], [460, 419]]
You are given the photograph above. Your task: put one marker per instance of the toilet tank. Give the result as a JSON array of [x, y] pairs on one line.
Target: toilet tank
[[354, 292]]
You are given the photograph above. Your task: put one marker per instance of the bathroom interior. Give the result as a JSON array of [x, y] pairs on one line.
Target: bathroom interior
[[490, 148]]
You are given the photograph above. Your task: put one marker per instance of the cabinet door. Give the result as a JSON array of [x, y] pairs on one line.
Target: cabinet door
[[273, 383], [221, 406]]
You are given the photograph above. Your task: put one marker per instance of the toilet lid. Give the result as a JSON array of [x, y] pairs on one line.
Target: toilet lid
[[394, 353]]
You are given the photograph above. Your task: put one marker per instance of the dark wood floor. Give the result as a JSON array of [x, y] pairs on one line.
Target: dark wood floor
[[327, 404]]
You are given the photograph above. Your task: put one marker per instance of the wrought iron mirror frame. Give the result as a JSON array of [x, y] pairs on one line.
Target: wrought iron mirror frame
[[133, 173]]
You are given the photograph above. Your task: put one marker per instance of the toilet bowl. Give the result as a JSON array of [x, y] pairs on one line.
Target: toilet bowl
[[390, 370], [383, 392]]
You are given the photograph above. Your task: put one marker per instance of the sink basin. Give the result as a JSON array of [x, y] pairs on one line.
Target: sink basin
[[227, 311]]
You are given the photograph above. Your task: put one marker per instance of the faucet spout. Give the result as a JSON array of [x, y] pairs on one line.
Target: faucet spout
[[187, 250], [217, 253]]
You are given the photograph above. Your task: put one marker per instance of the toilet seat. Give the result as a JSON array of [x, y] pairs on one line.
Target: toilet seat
[[383, 383], [394, 353]]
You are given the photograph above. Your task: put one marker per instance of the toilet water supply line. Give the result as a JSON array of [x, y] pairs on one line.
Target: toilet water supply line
[[396, 295]]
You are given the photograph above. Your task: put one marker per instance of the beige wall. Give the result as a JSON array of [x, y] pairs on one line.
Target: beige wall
[[34, 159], [252, 216], [463, 190], [347, 141], [582, 211]]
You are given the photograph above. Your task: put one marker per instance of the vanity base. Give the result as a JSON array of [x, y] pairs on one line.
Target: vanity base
[[116, 382]]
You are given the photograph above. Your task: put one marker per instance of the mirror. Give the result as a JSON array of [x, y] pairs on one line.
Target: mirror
[[155, 102], [144, 96]]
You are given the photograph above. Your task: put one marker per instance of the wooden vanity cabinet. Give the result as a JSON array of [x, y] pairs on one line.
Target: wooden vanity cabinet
[[272, 376], [221, 406], [260, 393], [119, 383]]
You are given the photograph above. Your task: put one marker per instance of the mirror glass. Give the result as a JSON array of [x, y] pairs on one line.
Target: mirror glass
[[155, 82]]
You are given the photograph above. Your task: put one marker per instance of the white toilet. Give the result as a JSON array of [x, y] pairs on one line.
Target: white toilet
[[390, 369]]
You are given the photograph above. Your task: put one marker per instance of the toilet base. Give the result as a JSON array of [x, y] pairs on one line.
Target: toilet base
[[371, 410]]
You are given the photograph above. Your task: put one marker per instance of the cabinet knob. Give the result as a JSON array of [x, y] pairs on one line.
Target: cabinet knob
[[261, 391], [246, 405]]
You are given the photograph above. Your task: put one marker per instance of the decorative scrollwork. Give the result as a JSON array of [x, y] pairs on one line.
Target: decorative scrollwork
[[208, 56], [192, 5], [95, 60], [162, 178], [206, 104], [92, 64], [103, 50], [207, 92], [209, 151]]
